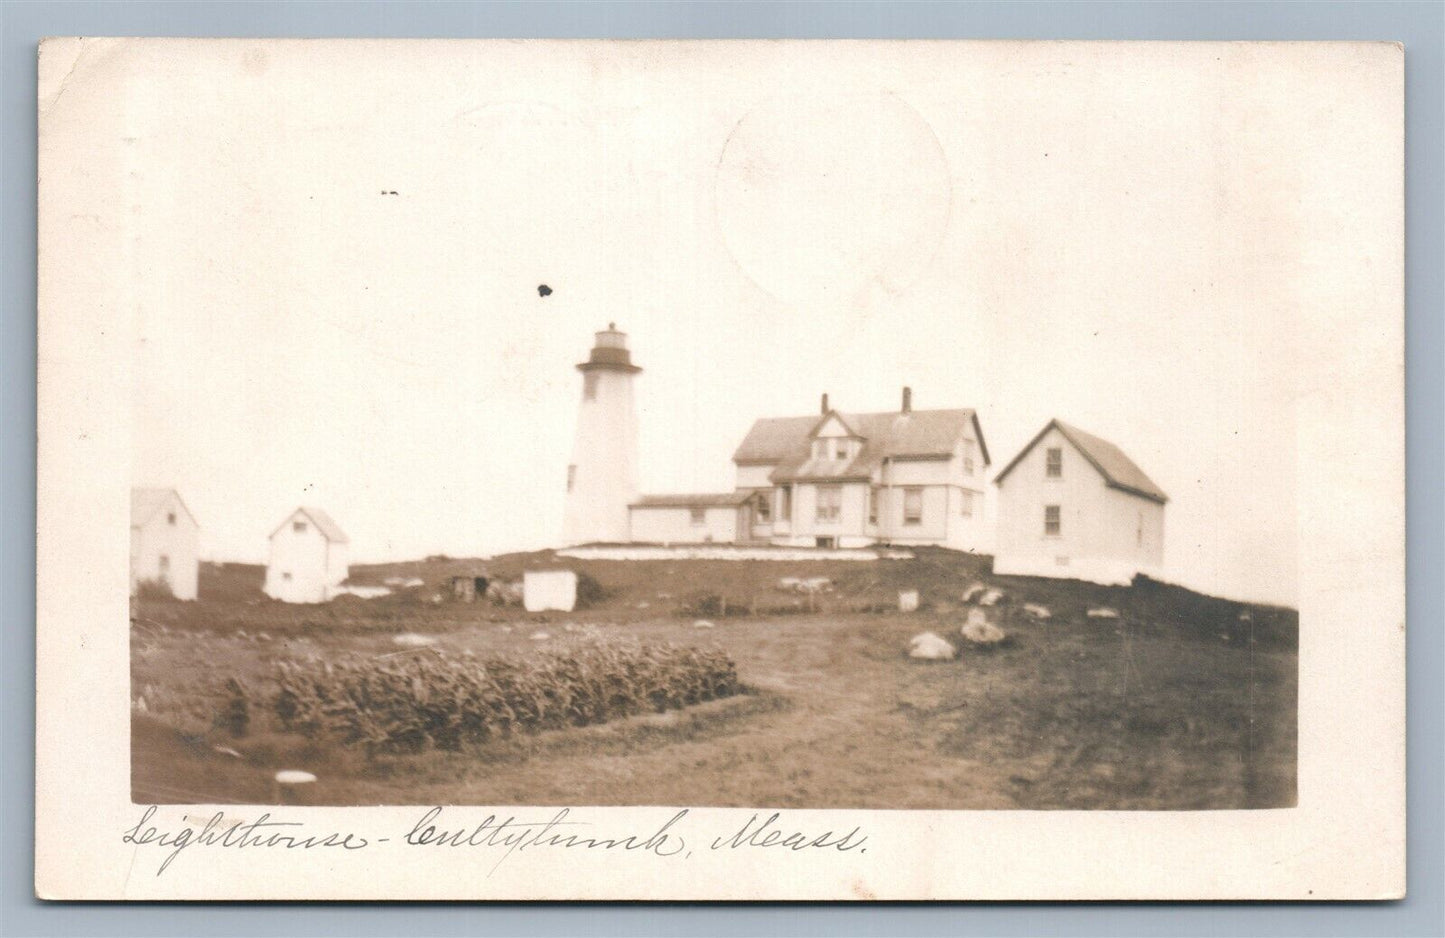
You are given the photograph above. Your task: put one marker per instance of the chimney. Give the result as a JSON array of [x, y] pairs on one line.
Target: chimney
[[825, 404], [907, 400]]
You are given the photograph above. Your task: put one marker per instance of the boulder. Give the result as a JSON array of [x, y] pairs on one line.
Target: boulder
[[702, 624], [1037, 611], [930, 647], [815, 584], [1103, 612], [789, 583], [908, 601], [979, 630], [505, 593], [540, 636], [412, 640], [990, 598], [973, 592]]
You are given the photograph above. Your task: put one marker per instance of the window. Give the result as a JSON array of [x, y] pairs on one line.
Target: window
[[571, 477], [171, 518], [165, 565], [765, 507], [1055, 467], [589, 386], [785, 503], [1052, 525], [1139, 532], [698, 516], [913, 506], [873, 505], [840, 449], [830, 502], [299, 527], [286, 577], [965, 504], [968, 457]]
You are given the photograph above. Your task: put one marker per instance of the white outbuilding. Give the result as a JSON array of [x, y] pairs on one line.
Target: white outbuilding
[[309, 558], [164, 538], [549, 589], [1072, 505]]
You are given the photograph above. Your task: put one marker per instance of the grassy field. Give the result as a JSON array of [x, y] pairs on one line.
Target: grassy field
[[1181, 703]]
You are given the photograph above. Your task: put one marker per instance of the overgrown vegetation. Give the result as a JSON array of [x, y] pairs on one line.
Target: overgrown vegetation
[[412, 703]]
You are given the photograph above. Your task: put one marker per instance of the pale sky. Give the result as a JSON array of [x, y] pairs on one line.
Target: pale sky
[[1032, 231]]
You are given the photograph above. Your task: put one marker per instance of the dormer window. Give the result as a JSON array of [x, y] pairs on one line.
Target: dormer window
[[299, 527], [968, 457], [840, 449], [171, 518]]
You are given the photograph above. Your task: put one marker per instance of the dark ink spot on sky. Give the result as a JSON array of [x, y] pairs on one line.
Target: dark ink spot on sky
[[544, 290]]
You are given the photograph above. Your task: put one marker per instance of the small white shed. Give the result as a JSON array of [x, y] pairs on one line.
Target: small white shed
[[309, 558], [549, 589], [164, 542], [1072, 505]]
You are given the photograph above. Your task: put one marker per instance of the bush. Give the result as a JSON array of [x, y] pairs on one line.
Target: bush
[[154, 589], [589, 591], [408, 704]]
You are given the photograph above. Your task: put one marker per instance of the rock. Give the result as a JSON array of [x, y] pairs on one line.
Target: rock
[[702, 624], [241, 635], [294, 777], [539, 636], [990, 598], [1037, 611], [789, 583], [815, 584], [908, 601], [1246, 616], [930, 647], [140, 705], [413, 640], [227, 751], [505, 593], [973, 592], [1103, 612], [262, 637], [980, 631], [643, 605]]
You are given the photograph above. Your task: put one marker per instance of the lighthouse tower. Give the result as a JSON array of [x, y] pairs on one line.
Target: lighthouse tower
[[602, 478]]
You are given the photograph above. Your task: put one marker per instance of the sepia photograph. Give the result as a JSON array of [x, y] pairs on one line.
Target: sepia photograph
[[687, 441], [785, 427]]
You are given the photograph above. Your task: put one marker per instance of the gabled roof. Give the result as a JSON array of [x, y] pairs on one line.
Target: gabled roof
[[145, 502], [693, 500], [842, 421], [920, 434], [1117, 469], [329, 529]]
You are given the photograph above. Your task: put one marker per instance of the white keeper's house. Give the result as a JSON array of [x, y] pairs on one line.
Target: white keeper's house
[[835, 479], [1072, 505]]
